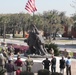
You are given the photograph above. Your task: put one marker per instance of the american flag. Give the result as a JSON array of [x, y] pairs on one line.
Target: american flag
[[30, 6]]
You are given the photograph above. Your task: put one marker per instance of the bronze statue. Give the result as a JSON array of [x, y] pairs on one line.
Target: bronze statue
[[35, 42]]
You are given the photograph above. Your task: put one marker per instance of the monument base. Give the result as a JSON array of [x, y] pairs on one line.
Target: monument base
[[38, 56]]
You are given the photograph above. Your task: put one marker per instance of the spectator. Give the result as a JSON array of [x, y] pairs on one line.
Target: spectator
[[68, 66], [11, 49], [18, 63], [10, 56], [43, 72], [46, 63], [62, 65], [65, 53], [10, 68], [5, 53], [56, 73], [26, 73], [53, 64], [2, 60], [29, 63], [18, 71], [52, 51]]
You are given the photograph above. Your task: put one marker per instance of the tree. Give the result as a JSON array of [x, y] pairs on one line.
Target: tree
[[4, 21], [53, 22]]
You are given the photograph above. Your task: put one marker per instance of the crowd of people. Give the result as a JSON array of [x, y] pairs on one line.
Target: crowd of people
[[11, 65], [62, 64], [7, 61]]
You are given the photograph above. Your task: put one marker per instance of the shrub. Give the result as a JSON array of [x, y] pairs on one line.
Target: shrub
[[26, 73], [43, 72], [54, 46]]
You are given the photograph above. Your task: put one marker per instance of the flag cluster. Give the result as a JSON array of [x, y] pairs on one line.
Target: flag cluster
[[30, 6]]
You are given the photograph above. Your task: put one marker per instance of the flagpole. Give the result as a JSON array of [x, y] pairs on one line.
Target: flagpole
[[33, 18]]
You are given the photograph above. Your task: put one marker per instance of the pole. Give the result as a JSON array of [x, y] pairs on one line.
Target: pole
[[4, 32], [23, 31], [33, 18]]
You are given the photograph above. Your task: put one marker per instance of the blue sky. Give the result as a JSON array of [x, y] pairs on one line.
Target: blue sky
[[17, 6]]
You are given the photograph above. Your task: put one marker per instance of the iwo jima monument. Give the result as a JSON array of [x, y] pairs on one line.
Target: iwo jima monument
[[36, 44]]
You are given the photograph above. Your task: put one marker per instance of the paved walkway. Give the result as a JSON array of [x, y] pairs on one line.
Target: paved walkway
[[38, 65], [39, 60], [73, 68]]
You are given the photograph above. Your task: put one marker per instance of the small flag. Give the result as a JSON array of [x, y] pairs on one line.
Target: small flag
[[30, 6]]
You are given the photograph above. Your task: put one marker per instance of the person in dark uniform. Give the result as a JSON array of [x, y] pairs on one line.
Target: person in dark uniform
[[62, 65], [46, 63], [53, 64], [10, 68]]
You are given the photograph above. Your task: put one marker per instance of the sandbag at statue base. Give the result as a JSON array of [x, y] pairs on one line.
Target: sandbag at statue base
[[37, 56]]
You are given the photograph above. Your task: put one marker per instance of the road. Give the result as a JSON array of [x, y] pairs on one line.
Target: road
[[65, 43]]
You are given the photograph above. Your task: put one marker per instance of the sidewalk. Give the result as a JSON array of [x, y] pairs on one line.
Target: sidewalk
[[38, 62], [73, 67]]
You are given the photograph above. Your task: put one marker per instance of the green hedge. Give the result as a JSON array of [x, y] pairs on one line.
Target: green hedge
[[54, 46]]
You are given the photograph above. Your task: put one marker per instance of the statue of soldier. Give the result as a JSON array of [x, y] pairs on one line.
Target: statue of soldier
[[35, 42]]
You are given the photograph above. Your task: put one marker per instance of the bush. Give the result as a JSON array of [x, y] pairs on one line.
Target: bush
[[43, 72], [26, 73], [2, 71], [54, 46]]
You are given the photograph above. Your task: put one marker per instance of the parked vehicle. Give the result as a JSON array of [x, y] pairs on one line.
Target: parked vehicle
[[57, 35]]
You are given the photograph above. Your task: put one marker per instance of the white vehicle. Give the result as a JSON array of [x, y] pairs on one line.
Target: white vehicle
[[57, 35]]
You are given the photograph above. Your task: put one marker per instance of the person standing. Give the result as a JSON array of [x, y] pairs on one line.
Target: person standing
[[62, 65], [18, 63], [2, 60], [29, 63], [51, 51], [11, 49], [18, 71], [10, 68], [46, 63], [68, 66], [65, 53], [5, 53], [53, 64], [10, 56]]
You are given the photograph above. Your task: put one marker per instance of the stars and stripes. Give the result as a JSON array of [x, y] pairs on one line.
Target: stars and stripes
[[30, 6]]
